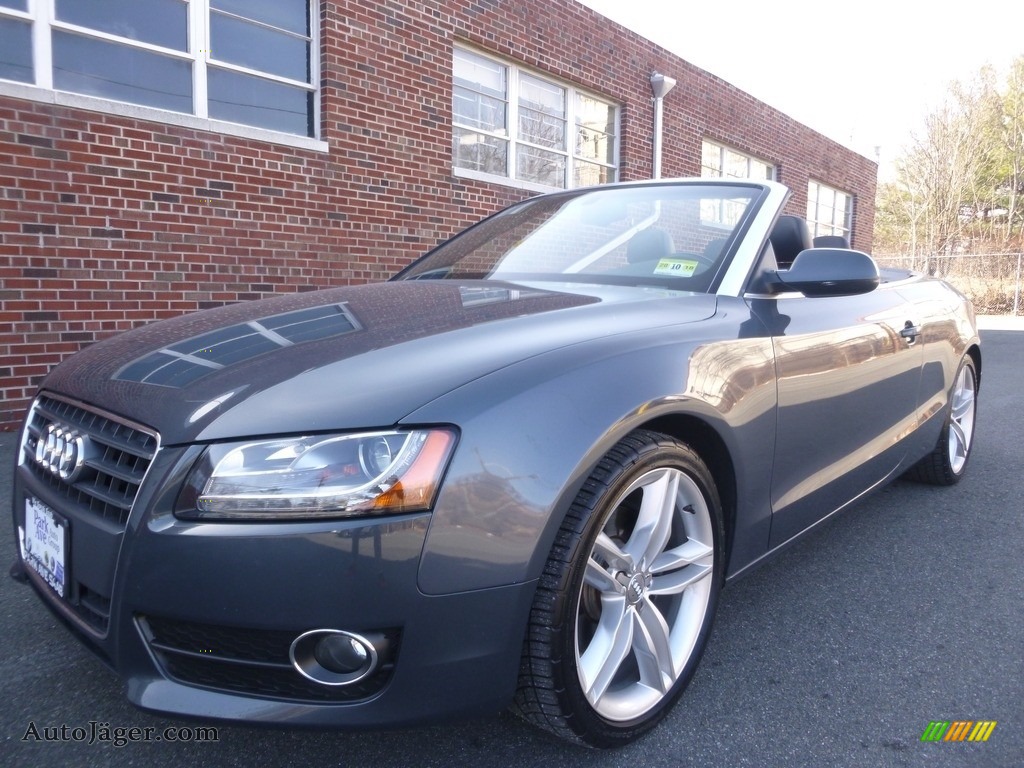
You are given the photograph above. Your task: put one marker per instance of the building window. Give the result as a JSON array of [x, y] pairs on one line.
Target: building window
[[718, 161], [516, 124], [829, 211], [233, 60]]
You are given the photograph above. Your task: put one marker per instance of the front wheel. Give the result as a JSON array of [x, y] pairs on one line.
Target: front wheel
[[625, 604]]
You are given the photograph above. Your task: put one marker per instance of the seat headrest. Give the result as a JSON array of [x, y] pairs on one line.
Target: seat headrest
[[789, 236], [831, 241], [649, 244]]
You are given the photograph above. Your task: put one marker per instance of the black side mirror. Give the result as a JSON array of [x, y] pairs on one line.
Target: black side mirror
[[826, 272]]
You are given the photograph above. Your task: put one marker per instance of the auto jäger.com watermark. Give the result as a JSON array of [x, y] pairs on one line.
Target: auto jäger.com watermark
[[97, 732]]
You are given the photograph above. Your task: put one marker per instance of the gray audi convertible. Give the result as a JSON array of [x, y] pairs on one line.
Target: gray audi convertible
[[517, 474]]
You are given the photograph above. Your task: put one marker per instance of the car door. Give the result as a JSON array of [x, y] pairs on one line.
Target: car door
[[847, 395]]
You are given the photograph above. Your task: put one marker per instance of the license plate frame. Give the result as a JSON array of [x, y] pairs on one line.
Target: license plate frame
[[46, 545]]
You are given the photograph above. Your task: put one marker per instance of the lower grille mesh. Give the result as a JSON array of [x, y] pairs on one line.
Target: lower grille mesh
[[250, 661]]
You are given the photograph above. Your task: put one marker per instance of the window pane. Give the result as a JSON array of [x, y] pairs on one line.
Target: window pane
[[595, 115], [759, 170], [588, 174], [479, 74], [18, 5], [594, 145], [478, 110], [252, 100], [477, 152], [840, 209], [732, 210], [541, 96], [292, 15], [99, 68], [16, 50], [710, 159], [540, 128], [159, 22], [250, 45], [736, 164], [541, 112], [539, 166]]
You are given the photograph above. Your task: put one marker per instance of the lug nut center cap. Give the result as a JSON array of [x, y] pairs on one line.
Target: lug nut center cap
[[635, 588]]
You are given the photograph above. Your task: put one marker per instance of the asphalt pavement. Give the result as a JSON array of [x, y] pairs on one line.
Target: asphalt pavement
[[906, 609]]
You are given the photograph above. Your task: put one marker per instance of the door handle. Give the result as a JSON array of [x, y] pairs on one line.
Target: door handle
[[910, 332]]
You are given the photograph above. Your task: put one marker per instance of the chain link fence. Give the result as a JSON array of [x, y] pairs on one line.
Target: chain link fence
[[992, 281]]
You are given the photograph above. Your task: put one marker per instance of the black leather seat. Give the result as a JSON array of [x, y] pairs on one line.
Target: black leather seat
[[789, 236], [649, 244], [831, 241]]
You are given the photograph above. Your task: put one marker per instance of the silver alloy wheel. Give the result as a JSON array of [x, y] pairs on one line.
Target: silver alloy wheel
[[961, 418], [645, 594]]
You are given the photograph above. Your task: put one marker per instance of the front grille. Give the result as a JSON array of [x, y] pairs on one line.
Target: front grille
[[249, 661], [115, 457], [116, 462]]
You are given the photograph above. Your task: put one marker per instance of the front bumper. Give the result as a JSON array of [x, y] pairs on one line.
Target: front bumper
[[197, 618]]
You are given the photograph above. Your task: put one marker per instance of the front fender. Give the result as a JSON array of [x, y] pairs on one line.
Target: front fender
[[533, 432]]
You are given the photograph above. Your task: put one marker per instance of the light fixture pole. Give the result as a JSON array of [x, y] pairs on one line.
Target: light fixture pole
[[660, 85]]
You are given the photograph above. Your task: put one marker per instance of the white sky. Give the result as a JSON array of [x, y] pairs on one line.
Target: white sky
[[863, 72]]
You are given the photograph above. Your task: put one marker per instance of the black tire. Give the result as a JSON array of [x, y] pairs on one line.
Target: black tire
[[947, 462], [568, 637]]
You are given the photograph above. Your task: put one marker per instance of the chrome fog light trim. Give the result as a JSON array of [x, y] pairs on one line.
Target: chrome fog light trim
[[311, 653]]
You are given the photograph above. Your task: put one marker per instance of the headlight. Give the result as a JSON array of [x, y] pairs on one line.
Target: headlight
[[374, 473]]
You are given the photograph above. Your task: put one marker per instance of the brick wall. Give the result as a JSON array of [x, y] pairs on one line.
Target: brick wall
[[109, 222]]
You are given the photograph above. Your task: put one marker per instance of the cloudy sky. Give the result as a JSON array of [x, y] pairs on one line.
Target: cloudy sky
[[864, 73]]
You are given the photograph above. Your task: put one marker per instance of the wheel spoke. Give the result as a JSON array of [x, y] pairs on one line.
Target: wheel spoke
[[962, 405], [608, 648], [612, 553], [654, 522], [676, 581], [958, 441], [685, 554], [652, 647], [600, 579]]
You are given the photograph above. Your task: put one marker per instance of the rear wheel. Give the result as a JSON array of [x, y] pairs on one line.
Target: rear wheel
[[947, 462], [625, 605]]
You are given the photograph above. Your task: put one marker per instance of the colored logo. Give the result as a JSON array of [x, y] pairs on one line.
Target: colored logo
[[958, 730]]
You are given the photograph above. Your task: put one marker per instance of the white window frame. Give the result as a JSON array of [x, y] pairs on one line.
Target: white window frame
[[511, 134], [829, 226], [42, 14]]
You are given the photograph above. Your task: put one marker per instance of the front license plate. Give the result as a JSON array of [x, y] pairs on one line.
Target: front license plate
[[46, 544]]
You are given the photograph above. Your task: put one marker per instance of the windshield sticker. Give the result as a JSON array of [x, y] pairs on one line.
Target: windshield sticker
[[676, 267]]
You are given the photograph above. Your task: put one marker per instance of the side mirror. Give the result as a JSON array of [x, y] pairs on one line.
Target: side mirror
[[826, 272]]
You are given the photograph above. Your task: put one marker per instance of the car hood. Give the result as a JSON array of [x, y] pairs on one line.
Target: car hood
[[345, 358]]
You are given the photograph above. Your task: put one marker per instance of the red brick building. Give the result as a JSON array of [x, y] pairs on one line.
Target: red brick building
[[162, 156]]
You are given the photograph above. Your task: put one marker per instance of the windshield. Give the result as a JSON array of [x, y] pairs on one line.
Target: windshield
[[672, 235]]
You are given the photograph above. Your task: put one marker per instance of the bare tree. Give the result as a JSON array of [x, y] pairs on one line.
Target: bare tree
[[960, 183]]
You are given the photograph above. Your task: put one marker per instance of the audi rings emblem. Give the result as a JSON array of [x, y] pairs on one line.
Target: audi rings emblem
[[61, 450]]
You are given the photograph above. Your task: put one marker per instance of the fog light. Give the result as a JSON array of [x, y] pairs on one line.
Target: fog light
[[341, 654], [334, 657]]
